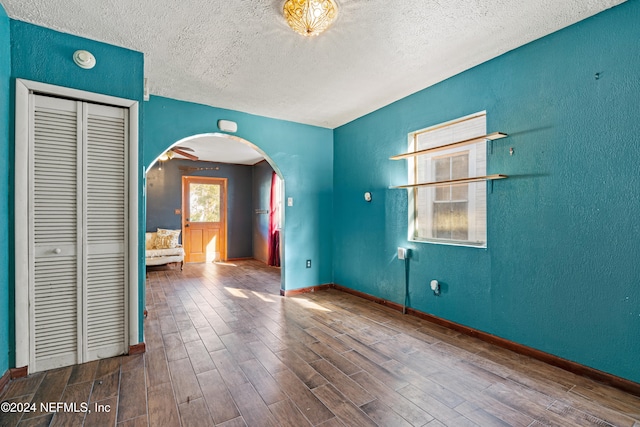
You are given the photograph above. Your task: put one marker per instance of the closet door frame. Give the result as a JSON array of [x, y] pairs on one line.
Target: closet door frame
[[21, 206]]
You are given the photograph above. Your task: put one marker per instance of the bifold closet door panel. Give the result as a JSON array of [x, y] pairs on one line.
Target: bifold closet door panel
[[55, 206], [105, 271]]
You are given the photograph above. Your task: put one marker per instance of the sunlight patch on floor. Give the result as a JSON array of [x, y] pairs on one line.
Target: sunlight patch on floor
[[308, 304], [262, 297], [236, 292], [228, 264]]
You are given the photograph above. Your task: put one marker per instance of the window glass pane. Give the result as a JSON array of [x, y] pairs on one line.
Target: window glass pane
[[460, 166], [204, 202], [423, 197], [459, 221], [450, 221], [442, 168], [278, 203], [441, 221], [460, 192], [443, 194]]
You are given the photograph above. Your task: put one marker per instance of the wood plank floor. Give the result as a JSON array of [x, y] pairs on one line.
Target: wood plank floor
[[223, 348]]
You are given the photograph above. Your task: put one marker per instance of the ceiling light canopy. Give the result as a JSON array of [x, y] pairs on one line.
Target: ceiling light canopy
[[310, 17]]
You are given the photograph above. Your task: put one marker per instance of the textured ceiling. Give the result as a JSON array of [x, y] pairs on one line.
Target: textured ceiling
[[221, 149], [241, 55]]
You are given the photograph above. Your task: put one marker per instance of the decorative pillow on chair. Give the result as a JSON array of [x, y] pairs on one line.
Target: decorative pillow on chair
[[167, 239]]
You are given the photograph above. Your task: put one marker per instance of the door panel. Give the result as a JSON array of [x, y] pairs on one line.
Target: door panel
[[204, 218], [105, 238], [56, 309], [194, 245]]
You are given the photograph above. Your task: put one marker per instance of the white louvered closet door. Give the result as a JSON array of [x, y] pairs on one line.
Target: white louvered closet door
[[105, 193], [54, 235], [78, 190]]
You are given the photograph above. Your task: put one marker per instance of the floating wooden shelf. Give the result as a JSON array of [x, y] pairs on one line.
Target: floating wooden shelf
[[491, 136], [454, 181]]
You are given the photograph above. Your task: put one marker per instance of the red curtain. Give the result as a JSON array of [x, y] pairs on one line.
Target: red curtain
[[274, 232]]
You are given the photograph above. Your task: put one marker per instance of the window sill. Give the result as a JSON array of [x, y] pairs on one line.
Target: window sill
[[477, 245]]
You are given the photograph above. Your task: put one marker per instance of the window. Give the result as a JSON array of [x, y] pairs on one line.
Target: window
[[276, 201], [452, 214], [204, 202]]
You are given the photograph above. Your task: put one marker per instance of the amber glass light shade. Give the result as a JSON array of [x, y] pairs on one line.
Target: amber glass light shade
[[310, 17]]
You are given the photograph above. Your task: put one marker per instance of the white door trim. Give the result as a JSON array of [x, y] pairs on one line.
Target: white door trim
[[23, 88]]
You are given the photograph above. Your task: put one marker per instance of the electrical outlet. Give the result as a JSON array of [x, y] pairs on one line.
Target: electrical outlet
[[308, 263]]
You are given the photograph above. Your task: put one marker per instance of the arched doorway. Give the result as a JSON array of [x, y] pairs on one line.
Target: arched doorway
[[218, 156]]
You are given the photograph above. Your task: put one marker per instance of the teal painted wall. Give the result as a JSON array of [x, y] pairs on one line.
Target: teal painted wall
[[164, 195], [6, 170], [561, 271], [302, 153], [45, 55]]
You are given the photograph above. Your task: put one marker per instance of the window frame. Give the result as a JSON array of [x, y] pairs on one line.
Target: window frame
[[474, 233]]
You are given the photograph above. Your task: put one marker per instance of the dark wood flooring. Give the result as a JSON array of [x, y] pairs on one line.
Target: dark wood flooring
[[223, 348]]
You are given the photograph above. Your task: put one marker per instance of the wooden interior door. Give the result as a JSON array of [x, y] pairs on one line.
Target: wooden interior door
[[204, 219]]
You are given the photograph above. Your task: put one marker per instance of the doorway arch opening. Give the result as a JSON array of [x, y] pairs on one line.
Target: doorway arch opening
[[218, 150]]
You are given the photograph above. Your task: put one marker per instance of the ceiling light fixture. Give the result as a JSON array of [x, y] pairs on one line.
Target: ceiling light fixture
[[310, 17], [168, 155]]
